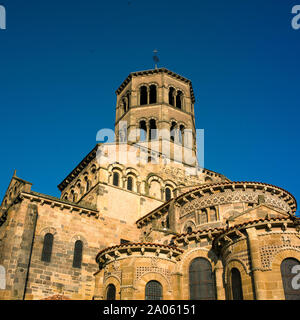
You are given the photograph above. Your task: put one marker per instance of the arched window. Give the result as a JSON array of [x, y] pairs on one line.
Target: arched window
[[202, 280], [181, 134], [168, 194], [236, 284], [153, 290], [189, 229], [143, 95], [171, 96], [143, 130], [179, 99], [47, 247], [153, 130], [2, 278], [111, 292], [129, 183], [153, 94], [173, 131], [77, 258], [87, 184], [287, 275], [124, 103], [116, 178]]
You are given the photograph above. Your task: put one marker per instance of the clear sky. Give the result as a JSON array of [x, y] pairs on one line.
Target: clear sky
[[61, 62]]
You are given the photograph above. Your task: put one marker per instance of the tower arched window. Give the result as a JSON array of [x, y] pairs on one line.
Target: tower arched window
[[201, 280], [124, 104], [130, 183], [153, 290], [143, 95], [236, 284], [171, 96], [87, 183], [77, 258], [116, 179], [47, 247], [143, 130], [153, 94], [173, 131], [153, 130], [111, 292], [181, 134], [179, 99], [287, 275], [168, 193]]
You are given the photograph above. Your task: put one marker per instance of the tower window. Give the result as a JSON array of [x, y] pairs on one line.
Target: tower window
[[116, 179], [179, 99], [143, 95], [173, 131], [153, 129], [129, 183], [171, 96], [143, 130], [181, 134], [47, 247], [77, 254], [153, 94]]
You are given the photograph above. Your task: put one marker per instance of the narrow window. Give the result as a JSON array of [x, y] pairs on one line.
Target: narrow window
[[143, 95], [201, 280], [287, 276], [129, 183], [116, 179], [236, 284], [173, 131], [77, 258], [153, 290], [181, 134], [179, 100], [47, 247], [153, 130], [153, 94], [143, 130], [168, 194], [111, 292], [171, 96]]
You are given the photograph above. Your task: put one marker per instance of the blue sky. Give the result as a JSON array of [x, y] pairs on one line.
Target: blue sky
[[61, 62]]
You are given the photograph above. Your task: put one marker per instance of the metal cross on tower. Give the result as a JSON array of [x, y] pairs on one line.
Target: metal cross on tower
[[155, 58]]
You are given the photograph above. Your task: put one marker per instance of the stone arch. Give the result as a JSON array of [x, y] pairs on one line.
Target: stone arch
[[78, 237], [155, 186], [140, 285], [282, 254], [187, 224], [116, 167], [240, 265], [46, 230], [112, 279]]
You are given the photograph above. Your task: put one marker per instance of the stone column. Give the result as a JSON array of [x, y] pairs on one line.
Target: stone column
[[253, 244], [176, 285], [219, 281]]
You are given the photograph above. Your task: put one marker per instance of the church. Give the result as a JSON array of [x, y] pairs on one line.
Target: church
[[139, 219]]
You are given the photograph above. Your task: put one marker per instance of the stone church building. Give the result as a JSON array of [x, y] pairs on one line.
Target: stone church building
[[156, 227]]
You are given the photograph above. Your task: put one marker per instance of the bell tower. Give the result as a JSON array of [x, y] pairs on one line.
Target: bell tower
[[155, 109]]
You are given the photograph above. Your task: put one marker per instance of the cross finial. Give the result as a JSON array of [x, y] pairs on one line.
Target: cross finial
[[155, 58]]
